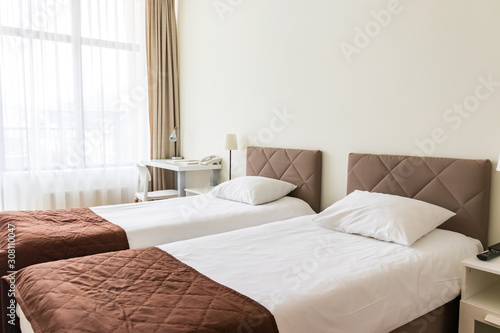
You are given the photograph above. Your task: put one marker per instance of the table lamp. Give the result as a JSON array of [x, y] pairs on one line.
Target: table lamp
[[173, 138], [231, 143]]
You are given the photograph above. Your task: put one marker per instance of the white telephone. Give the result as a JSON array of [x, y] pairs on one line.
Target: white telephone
[[211, 159]]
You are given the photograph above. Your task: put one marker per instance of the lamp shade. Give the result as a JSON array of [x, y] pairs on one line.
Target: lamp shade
[[498, 164], [231, 142], [173, 136]]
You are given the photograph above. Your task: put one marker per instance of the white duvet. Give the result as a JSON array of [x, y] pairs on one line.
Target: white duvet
[[317, 280], [159, 222]]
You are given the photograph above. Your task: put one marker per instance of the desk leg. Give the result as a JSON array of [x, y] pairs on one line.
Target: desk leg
[[181, 183], [214, 177]]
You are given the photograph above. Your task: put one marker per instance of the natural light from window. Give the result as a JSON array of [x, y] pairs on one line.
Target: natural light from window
[[73, 98]]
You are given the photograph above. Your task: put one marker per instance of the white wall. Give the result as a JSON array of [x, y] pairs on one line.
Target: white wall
[[240, 66]]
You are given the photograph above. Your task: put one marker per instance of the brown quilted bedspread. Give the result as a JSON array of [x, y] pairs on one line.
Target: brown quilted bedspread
[[42, 236], [140, 290]]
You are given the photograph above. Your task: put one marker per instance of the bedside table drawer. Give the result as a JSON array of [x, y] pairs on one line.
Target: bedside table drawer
[[470, 313]]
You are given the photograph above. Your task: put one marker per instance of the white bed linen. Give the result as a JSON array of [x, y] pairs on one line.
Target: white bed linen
[[317, 280], [159, 222]]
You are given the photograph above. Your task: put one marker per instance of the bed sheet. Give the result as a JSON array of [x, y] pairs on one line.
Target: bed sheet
[[317, 280], [159, 222]]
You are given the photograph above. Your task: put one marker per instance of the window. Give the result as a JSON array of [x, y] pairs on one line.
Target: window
[[73, 88]]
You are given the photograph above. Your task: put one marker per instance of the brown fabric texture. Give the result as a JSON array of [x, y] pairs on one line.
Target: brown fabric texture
[[163, 85], [49, 235], [460, 185], [42, 236], [302, 168], [444, 319], [140, 290]]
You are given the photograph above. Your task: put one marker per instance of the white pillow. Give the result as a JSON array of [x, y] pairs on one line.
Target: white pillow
[[253, 190], [386, 217]]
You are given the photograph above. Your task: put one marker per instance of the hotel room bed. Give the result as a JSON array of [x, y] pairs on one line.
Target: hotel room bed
[[40, 237], [317, 281], [146, 224], [310, 278], [311, 281]]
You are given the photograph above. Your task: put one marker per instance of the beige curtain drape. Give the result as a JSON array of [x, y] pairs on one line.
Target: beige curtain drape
[[163, 80]]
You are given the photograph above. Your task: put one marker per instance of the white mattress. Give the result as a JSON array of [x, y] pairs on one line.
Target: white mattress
[[164, 221], [317, 280]]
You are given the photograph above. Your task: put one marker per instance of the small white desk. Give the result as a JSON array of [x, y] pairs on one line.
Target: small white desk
[[181, 170]]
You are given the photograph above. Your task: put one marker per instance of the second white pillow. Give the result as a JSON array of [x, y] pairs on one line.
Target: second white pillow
[[385, 217], [253, 190]]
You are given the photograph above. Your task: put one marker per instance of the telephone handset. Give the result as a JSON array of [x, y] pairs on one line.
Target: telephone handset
[[211, 159]]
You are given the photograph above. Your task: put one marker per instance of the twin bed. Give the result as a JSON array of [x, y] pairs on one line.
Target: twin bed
[[43, 236], [293, 275]]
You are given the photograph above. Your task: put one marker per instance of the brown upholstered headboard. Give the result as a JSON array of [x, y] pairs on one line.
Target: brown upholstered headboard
[[460, 185], [300, 167]]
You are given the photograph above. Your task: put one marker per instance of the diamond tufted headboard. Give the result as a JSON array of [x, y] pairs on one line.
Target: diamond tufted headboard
[[460, 185], [300, 167]]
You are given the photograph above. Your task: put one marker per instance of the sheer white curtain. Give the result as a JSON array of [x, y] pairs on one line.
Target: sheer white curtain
[[73, 102]]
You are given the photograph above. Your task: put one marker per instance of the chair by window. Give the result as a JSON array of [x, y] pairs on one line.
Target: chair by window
[[143, 194]]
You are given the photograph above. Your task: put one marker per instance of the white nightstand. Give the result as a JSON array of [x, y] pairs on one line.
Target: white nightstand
[[480, 304], [198, 190]]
